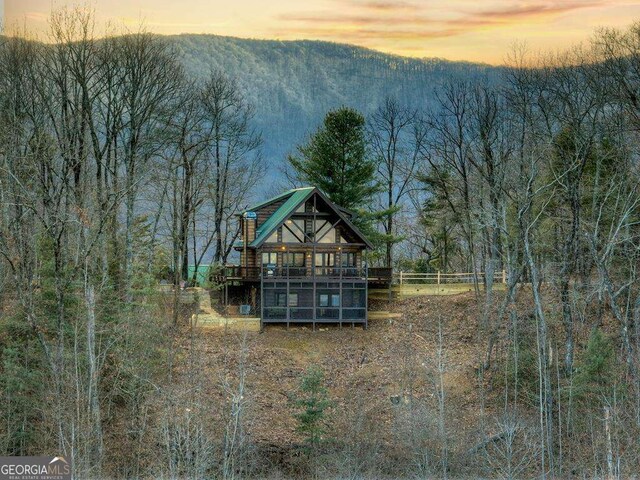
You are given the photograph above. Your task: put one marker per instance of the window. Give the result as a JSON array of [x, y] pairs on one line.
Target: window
[[326, 233], [335, 300], [329, 300], [348, 259], [269, 258], [294, 259], [325, 259], [273, 238], [293, 231], [293, 299], [281, 300]]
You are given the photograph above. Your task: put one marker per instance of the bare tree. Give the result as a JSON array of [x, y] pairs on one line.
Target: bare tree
[[235, 442], [511, 451], [150, 78], [397, 137], [234, 152], [449, 160]]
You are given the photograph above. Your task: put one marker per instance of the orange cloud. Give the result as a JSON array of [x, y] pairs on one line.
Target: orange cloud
[[525, 10], [353, 20], [349, 35], [396, 14], [456, 29], [388, 6]]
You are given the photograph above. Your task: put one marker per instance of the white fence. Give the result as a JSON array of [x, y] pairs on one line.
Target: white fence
[[441, 278]]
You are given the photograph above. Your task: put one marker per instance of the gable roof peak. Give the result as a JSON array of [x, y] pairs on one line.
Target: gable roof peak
[[293, 198], [281, 196]]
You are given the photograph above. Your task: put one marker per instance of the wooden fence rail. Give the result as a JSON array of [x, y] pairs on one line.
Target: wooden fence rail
[[438, 278]]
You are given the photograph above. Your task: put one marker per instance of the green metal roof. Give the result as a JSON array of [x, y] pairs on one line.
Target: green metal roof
[[296, 197], [293, 198], [274, 199], [202, 275]]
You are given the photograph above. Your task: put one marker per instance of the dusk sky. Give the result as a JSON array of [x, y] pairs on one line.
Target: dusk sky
[[476, 30]]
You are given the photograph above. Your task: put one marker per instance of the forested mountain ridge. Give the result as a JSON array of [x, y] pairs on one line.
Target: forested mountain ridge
[[292, 84]]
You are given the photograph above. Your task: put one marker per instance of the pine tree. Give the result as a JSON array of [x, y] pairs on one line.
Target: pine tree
[[313, 400], [335, 160], [596, 374]]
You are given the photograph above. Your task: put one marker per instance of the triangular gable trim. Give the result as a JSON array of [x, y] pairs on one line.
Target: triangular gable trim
[[291, 210], [343, 217]]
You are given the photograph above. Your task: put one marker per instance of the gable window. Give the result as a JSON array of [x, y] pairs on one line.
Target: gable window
[[273, 238], [326, 233], [293, 231], [298, 227]]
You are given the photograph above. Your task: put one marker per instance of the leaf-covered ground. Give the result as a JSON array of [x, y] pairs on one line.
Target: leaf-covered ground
[[368, 372]]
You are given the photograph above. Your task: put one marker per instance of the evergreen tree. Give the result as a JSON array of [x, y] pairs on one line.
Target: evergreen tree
[[335, 160], [313, 400], [596, 374]]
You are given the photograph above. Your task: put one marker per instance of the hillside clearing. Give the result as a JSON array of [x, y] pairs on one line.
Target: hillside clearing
[[365, 369]]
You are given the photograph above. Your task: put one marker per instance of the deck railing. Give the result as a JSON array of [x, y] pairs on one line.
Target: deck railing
[[442, 278], [239, 272], [232, 272]]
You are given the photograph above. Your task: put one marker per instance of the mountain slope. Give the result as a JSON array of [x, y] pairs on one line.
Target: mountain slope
[[293, 84]]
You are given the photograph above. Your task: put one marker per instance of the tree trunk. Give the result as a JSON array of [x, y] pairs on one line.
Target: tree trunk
[[93, 394]]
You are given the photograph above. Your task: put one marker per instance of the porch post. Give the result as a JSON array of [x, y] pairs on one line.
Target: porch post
[[261, 296], [313, 260], [340, 292], [285, 256], [366, 295]]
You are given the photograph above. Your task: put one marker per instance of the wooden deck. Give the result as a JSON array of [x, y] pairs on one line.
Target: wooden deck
[[411, 284], [255, 274]]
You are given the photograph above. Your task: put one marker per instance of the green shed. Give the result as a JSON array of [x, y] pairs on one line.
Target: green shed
[[202, 275]]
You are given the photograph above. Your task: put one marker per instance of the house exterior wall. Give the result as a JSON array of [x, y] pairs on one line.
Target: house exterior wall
[[250, 260], [265, 212], [320, 290]]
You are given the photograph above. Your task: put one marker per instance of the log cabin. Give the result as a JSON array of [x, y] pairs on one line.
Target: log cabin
[[302, 260]]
